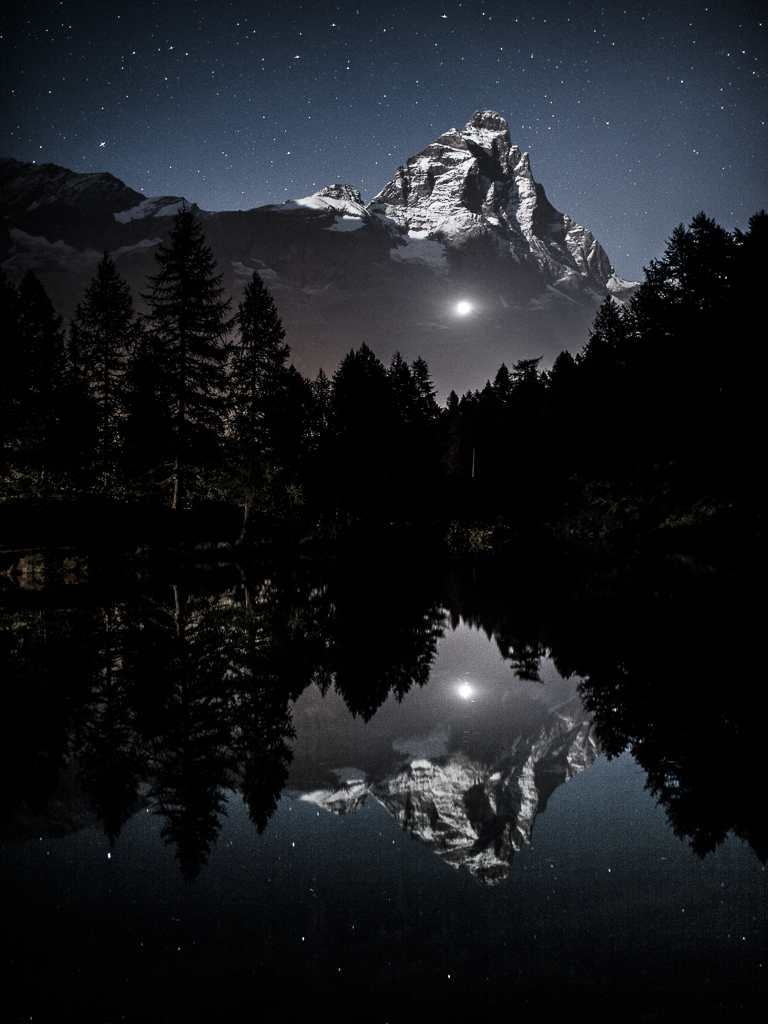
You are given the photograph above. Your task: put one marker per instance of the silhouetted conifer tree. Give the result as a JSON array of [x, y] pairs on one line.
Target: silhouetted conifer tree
[[191, 758], [148, 431], [106, 333], [12, 379], [110, 757], [404, 391], [503, 384], [605, 349], [81, 416], [426, 391], [321, 389], [271, 409], [258, 358], [189, 326], [362, 421], [42, 379]]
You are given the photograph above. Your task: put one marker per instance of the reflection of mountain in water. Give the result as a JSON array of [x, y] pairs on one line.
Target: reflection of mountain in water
[[469, 777], [169, 699]]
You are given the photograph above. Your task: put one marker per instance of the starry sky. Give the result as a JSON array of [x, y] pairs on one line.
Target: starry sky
[[636, 115]]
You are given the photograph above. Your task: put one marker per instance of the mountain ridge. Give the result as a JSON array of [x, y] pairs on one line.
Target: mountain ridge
[[463, 219]]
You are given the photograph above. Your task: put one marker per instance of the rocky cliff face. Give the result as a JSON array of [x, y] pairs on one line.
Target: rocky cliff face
[[472, 807], [464, 219], [475, 186]]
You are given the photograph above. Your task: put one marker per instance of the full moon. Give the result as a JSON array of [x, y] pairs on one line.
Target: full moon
[[462, 308], [465, 691]]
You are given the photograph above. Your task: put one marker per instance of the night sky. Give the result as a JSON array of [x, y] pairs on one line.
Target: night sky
[[636, 115]]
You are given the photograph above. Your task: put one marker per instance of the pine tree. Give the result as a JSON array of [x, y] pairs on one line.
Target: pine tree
[[106, 331], [12, 377], [42, 379], [362, 423], [321, 390], [256, 383], [403, 388], [604, 351], [426, 390], [502, 384], [148, 442], [189, 325], [82, 416]]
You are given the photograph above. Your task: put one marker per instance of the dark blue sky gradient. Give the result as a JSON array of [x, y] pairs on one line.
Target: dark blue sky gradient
[[636, 115]]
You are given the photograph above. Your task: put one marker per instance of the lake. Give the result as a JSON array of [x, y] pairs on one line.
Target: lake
[[402, 788]]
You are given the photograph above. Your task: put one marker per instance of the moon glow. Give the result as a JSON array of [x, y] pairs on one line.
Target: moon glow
[[463, 307]]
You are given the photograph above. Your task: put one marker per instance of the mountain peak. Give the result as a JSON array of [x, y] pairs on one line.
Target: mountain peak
[[347, 193], [487, 119], [475, 186], [488, 130]]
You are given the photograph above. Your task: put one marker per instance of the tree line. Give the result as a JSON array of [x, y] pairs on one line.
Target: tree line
[[655, 420]]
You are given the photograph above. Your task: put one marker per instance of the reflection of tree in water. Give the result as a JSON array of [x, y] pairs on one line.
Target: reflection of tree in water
[[383, 633], [190, 756], [655, 642], [506, 603], [676, 684], [41, 665], [191, 693], [270, 635], [111, 758]]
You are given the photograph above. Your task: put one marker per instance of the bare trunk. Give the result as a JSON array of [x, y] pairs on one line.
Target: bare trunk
[[246, 588], [246, 522], [176, 484]]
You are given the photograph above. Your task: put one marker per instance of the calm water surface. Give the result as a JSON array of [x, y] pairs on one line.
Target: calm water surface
[[458, 846]]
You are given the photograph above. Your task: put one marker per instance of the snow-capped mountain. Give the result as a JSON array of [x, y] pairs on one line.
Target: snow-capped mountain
[[462, 220], [470, 813], [475, 186], [465, 776]]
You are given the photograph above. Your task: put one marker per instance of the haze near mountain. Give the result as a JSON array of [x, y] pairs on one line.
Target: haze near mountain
[[462, 222]]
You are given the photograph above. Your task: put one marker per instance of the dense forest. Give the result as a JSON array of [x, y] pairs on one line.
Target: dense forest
[[654, 424]]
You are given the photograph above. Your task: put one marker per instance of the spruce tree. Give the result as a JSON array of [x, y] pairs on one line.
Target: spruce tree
[[82, 416], [428, 408], [12, 377], [605, 349], [363, 422], [403, 388], [42, 449], [148, 442], [256, 381], [106, 331], [321, 390], [189, 326]]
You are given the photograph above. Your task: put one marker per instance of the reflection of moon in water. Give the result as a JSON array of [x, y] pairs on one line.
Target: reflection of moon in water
[[462, 308], [465, 691]]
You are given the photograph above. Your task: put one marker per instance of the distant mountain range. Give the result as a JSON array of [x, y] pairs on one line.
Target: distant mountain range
[[462, 221]]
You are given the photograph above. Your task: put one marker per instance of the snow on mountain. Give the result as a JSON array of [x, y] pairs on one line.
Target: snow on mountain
[[470, 793], [462, 220], [159, 206], [475, 185]]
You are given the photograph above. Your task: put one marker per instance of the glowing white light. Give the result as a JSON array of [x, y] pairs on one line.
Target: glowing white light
[[465, 691], [462, 308]]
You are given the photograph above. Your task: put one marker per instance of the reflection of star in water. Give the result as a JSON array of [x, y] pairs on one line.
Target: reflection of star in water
[[462, 308]]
